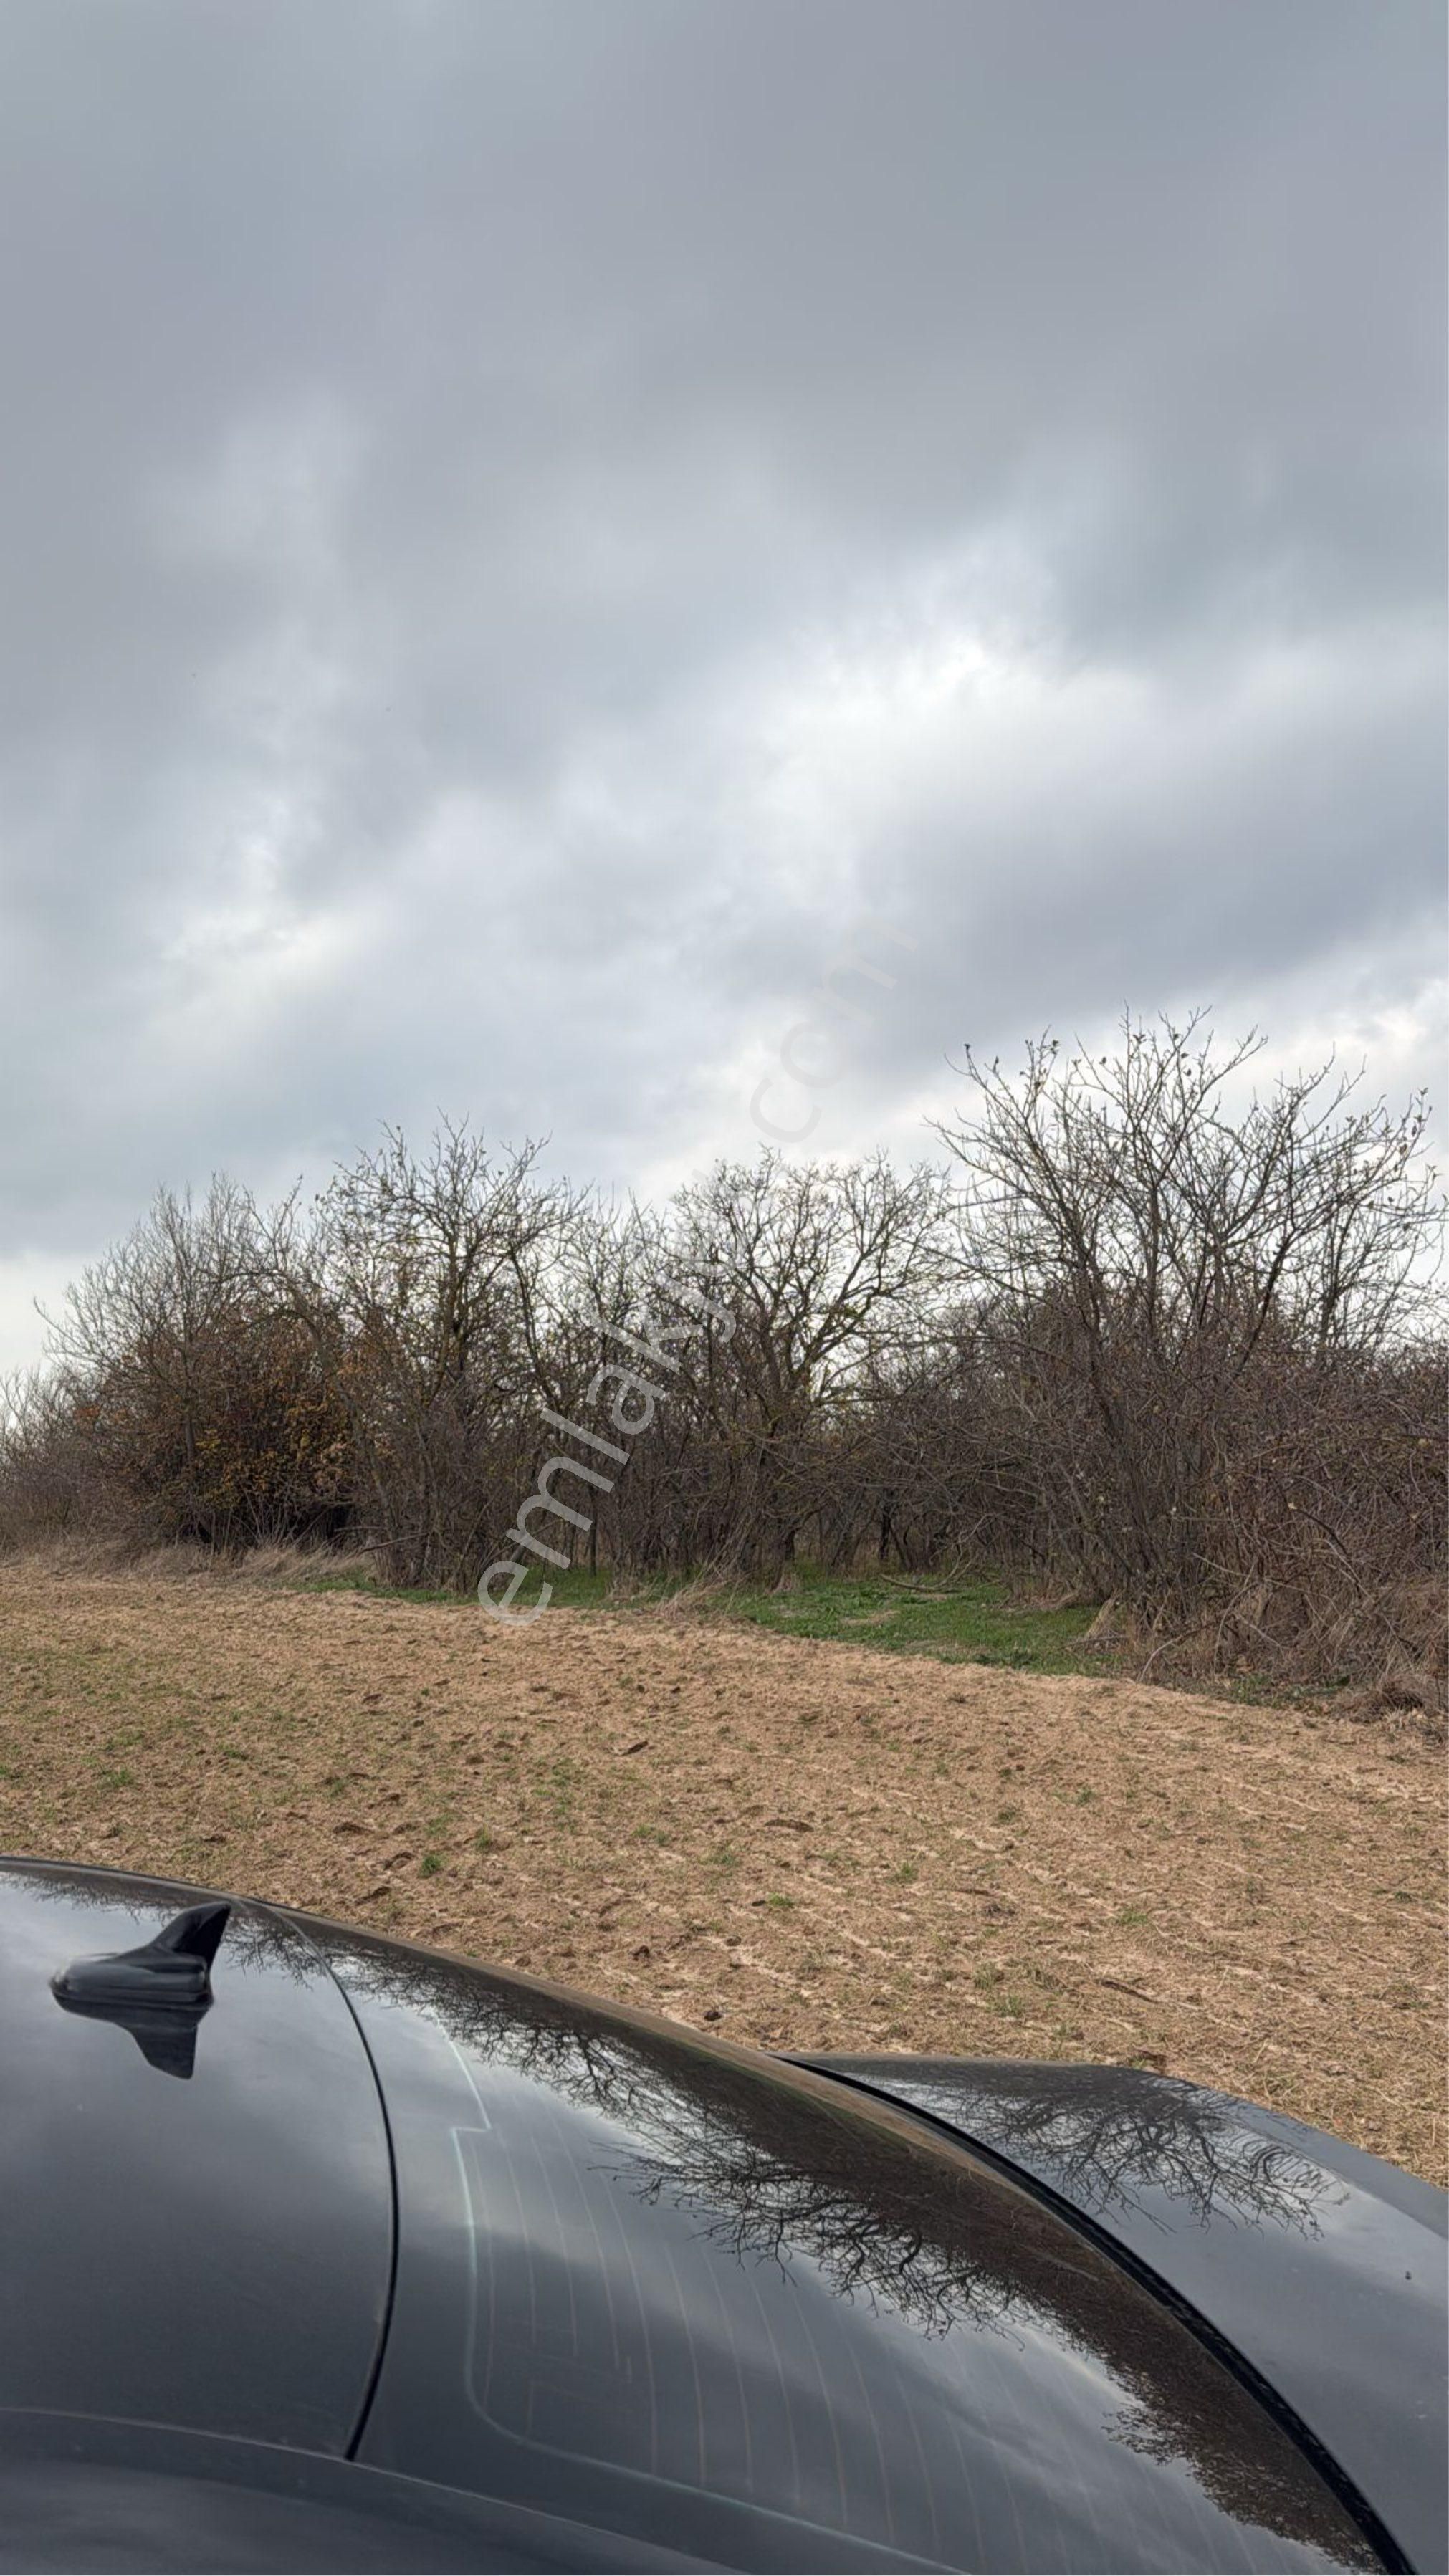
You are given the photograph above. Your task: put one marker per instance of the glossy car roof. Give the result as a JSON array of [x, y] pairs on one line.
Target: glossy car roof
[[669, 2286], [668, 2290], [210, 2250]]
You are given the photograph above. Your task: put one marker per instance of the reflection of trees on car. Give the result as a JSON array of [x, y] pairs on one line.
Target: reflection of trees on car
[[1109, 2132], [784, 2171]]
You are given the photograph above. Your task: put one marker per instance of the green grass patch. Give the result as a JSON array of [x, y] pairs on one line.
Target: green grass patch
[[973, 1620], [976, 1620]]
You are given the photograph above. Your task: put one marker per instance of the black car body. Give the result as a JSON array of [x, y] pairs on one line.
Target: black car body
[[360, 2256]]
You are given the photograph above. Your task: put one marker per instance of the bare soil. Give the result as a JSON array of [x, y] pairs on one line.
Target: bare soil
[[803, 1845]]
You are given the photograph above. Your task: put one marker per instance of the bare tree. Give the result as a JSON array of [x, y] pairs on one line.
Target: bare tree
[[1139, 1253], [143, 1342], [417, 1279], [820, 1268]]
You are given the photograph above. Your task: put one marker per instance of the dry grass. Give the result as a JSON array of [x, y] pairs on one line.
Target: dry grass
[[806, 1845]]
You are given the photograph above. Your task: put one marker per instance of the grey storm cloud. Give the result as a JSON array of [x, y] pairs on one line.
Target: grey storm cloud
[[521, 522]]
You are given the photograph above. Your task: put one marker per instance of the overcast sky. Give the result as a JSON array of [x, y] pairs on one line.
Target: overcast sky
[[521, 524]]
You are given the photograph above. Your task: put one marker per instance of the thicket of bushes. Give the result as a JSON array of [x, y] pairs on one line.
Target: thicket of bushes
[[1140, 1338]]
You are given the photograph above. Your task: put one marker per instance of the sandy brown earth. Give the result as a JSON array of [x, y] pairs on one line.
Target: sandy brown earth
[[804, 1845]]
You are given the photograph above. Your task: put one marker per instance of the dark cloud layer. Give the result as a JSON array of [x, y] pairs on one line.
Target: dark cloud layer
[[518, 522]]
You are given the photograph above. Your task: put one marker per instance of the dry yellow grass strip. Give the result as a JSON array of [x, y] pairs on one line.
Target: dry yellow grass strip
[[805, 1845]]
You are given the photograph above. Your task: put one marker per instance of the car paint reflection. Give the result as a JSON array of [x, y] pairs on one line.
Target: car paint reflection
[[687, 2267], [1323, 2263]]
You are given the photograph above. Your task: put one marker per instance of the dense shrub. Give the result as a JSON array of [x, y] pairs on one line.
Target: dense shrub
[[1149, 1338]]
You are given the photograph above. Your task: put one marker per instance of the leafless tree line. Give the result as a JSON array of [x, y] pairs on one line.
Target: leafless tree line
[[1144, 1335]]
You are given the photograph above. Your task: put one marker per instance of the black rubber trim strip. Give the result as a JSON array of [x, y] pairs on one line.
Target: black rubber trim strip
[[293, 1923], [1267, 2396]]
